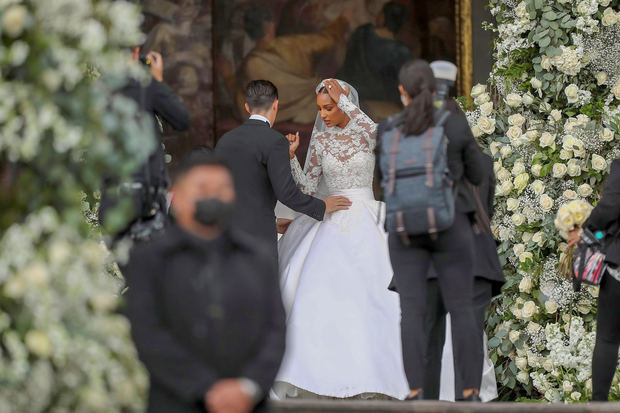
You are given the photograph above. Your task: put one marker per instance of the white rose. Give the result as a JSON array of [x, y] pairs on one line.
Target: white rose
[[536, 83], [551, 307], [506, 187], [545, 62], [538, 186], [584, 190], [514, 335], [14, 20], [478, 90], [547, 140], [518, 219], [583, 119], [503, 175], [506, 151], [566, 154], [604, 3], [567, 386], [15, 287], [487, 125], [525, 286], [494, 147], [569, 142], [512, 204], [609, 17], [526, 256], [538, 239], [607, 135], [523, 377], [570, 194], [527, 237], [518, 249], [521, 363], [529, 310], [559, 170], [59, 251], [601, 78], [514, 100], [521, 181], [544, 107], [104, 301], [486, 108], [616, 89], [589, 384], [536, 169], [476, 131], [482, 99], [497, 166], [546, 202], [39, 343], [547, 364], [575, 395], [528, 99], [572, 93], [504, 234], [35, 274], [518, 169], [516, 120], [556, 115], [573, 167], [598, 163], [583, 307]]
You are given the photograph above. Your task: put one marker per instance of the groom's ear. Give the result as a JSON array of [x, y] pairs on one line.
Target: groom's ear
[[274, 107], [247, 108]]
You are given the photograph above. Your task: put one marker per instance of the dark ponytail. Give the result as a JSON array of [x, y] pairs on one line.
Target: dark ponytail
[[416, 77]]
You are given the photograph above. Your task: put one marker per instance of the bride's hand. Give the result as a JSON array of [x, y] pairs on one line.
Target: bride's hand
[[335, 90], [293, 143]]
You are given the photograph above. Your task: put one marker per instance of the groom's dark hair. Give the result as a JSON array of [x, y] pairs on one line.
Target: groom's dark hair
[[260, 94]]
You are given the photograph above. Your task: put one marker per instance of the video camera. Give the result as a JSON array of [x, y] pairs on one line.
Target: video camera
[[445, 76]]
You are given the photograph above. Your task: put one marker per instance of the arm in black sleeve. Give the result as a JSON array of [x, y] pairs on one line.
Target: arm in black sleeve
[[279, 170], [264, 367], [472, 162], [167, 360], [378, 175], [607, 211], [491, 194], [169, 106]]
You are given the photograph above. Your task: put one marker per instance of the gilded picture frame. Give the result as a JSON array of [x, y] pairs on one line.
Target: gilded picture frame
[[463, 20]]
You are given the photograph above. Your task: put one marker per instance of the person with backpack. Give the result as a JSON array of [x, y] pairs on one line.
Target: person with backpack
[[425, 159], [605, 218]]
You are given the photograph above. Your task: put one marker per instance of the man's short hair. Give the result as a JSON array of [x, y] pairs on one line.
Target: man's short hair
[[199, 156], [254, 21], [260, 94], [394, 15]]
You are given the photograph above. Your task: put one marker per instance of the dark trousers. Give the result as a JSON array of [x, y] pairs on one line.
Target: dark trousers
[[451, 253], [605, 357], [436, 331]]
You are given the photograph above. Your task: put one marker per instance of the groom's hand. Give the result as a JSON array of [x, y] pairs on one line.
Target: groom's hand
[[282, 225], [336, 203]]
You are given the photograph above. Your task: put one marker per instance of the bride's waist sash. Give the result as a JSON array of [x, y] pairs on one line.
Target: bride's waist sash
[[355, 194]]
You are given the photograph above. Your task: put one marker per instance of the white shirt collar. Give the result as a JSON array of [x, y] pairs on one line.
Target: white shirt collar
[[260, 117]]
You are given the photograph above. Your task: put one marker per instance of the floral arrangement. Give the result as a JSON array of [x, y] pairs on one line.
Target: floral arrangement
[[63, 128], [551, 120], [572, 214]]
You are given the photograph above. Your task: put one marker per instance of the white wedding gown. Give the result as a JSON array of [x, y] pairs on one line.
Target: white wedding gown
[[343, 324]]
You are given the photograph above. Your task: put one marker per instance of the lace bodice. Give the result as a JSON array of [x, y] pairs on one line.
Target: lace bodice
[[343, 157]]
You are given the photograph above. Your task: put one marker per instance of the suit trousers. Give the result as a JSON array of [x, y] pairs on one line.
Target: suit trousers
[[436, 331], [605, 356], [451, 253]]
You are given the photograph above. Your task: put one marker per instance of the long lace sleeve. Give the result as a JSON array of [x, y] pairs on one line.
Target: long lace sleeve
[[308, 180], [363, 125]]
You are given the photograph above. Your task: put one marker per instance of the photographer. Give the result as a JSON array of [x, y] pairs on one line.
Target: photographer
[[148, 186]]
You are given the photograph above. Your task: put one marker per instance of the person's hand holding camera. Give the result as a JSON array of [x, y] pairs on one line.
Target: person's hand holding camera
[[157, 65]]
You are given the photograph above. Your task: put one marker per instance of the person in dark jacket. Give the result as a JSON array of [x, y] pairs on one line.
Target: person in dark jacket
[[605, 217], [260, 160], [488, 281], [450, 252], [160, 104], [204, 303]]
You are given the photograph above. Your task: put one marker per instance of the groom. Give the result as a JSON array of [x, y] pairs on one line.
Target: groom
[[260, 161]]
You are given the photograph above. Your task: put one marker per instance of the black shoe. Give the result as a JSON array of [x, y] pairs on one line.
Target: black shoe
[[419, 396], [473, 397]]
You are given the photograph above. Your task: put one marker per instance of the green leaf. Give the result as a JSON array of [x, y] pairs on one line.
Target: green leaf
[[494, 342], [550, 15], [538, 4], [546, 41]]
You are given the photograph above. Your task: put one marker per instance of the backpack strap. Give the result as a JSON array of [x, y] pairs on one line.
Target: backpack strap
[[428, 152], [393, 152], [443, 117]]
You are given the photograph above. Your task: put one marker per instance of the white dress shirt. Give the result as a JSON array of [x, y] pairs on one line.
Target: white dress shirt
[[260, 117]]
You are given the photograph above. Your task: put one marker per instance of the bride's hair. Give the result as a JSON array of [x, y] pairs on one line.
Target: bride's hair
[[416, 77]]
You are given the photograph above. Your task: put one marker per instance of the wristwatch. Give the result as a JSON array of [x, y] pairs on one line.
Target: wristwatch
[[251, 388]]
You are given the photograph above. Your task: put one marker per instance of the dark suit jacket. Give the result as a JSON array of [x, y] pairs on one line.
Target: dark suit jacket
[[202, 311], [606, 215], [259, 159]]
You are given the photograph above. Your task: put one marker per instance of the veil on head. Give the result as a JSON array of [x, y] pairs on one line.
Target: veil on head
[[319, 127]]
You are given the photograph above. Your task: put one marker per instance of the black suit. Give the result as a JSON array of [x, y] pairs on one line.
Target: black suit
[[201, 311], [606, 217], [259, 159]]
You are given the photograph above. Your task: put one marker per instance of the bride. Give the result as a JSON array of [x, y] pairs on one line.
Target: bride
[[343, 323]]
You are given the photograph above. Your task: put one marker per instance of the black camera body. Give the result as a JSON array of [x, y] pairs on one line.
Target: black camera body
[[144, 60]]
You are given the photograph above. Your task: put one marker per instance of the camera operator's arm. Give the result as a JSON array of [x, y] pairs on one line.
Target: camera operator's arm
[[166, 104]]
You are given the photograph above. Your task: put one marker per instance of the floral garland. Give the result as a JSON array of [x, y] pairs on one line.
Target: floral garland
[[552, 127], [63, 127]]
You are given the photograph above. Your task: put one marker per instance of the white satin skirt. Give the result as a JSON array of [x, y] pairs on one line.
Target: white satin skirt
[[343, 323]]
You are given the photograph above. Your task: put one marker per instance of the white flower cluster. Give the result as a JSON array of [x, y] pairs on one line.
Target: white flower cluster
[[572, 214]]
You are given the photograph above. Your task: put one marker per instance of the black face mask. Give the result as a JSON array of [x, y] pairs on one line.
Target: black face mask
[[213, 212]]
